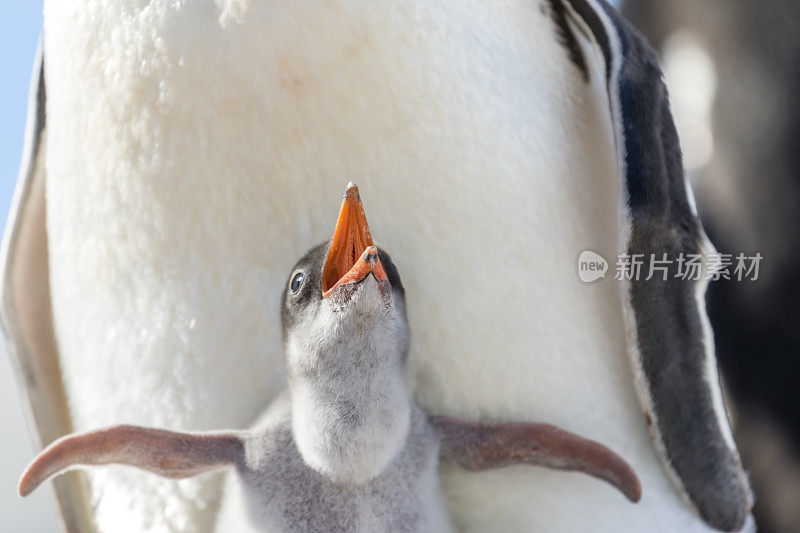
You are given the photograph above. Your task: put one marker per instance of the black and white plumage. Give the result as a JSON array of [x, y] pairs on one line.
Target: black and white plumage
[[671, 342], [172, 175]]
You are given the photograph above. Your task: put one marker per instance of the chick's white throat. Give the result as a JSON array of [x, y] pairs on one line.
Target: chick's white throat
[[350, 403]]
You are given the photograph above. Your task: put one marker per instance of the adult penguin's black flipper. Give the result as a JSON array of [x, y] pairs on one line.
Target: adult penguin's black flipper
[[25, 312], [669, 337]]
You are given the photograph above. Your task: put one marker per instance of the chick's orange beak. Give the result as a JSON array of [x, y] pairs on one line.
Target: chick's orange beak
[[352, 255]]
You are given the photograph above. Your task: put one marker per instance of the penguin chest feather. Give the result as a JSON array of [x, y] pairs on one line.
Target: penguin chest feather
[[190, 146]]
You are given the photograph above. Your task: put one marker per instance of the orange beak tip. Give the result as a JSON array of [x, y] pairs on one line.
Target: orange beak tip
[[352, 192], [352, 254]]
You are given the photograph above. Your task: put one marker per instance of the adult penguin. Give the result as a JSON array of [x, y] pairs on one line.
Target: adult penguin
[[178, 153]]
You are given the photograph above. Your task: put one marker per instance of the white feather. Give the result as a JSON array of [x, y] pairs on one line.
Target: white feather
[[196, 148], [349, 357]]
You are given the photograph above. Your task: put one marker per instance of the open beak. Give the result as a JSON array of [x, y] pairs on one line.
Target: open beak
[[352, 255]]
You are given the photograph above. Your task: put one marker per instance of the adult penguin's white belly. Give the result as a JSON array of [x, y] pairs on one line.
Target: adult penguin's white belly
[[195, 148]]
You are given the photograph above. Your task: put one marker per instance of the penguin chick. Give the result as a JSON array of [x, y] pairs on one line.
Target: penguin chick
[[344, 448]]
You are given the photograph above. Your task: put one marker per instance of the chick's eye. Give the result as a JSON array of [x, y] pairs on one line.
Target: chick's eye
[[297, 282]]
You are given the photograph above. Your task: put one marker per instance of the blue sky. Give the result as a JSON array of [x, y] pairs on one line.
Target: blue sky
[[20, 24]]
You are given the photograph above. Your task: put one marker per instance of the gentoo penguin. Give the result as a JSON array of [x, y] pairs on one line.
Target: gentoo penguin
[[181, 154], [344, 448]]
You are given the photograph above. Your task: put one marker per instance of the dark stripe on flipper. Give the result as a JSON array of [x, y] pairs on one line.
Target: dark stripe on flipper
[[667, 315], [567, 38], [589, 17], [41, 97]]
